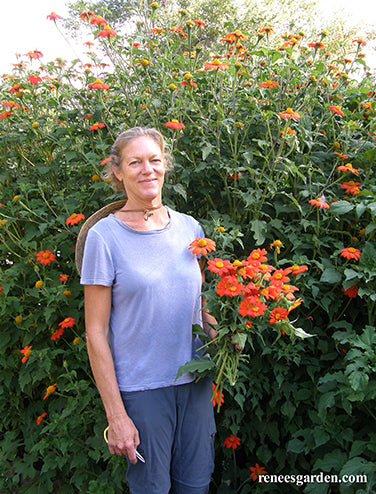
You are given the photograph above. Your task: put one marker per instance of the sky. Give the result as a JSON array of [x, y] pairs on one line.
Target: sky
[[25, 27]]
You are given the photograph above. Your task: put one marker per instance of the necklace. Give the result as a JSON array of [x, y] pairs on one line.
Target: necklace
[[147, 211]]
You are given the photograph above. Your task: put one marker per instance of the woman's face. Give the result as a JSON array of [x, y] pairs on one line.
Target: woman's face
[[141, 170]]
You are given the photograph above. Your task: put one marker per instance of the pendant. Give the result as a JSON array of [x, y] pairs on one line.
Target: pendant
[[147, 214]]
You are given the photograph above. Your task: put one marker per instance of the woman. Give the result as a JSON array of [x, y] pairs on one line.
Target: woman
[[142, 296]]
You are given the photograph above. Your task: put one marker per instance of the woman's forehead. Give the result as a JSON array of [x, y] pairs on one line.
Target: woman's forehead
[[141, 145]]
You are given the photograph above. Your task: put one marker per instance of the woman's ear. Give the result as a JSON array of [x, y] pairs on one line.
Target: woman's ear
[[116, 170]]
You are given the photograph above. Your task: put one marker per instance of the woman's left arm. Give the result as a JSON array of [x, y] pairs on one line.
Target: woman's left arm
[[207, 319]]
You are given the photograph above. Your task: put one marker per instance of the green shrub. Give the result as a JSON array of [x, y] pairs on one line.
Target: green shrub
[[242, 164]]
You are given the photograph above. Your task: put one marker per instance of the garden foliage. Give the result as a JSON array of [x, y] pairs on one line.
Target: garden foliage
[[270, 144]]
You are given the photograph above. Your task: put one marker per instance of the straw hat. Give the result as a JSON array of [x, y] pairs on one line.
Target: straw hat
[[94, 218]]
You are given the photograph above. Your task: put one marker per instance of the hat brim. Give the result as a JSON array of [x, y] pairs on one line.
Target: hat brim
[[94, 218]]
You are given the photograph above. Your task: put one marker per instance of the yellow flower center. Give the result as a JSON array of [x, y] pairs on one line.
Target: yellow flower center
[[216, 62], [46, 255], [202, 242], [351, 249], [256, 308], [219, 264], [278, 276]]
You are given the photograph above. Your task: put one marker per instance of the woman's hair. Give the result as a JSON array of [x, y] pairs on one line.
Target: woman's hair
[[121, 141]]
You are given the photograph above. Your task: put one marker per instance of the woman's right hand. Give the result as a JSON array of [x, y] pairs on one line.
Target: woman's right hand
[[123, 438]]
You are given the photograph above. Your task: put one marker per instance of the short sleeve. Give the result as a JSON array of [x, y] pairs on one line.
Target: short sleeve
[[97, 263]]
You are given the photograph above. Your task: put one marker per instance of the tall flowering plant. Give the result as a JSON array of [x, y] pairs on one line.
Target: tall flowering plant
[[247, 297]]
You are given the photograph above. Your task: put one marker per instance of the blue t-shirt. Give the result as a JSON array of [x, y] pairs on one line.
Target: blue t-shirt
[[156, 288]]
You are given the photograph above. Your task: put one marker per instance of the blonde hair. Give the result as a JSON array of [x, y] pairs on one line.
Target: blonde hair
[[121, 141]]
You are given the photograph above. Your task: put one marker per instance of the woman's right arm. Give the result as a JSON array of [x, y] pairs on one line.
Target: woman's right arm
[[122, 433]]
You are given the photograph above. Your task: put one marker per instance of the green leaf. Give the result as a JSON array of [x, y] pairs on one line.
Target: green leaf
[[259, 229], [331, 275], [208, 149], [201, 365], [326, 401], [332, 461], [341, 207]]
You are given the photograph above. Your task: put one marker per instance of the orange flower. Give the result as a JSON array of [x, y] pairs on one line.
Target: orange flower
[[56, 334], [348, 168], [257, 256], [229, 286], [34, 54], [49, 390], [11, 104], [360, 41], [251, 306], [34, 79], [67, 323], [316, 45], [87, 15], [216, 65], [107, 32], [289, 113], [336, 109], [53, 16], [199, 22], [269, 84], [232, 441], [45, 256], [98, 84], [102, 163], [26, 353], [40, 418], [319, 202], [280, 276], [216, 396], [278, 314], [351, 253], [295, 304], [74, 219], [256, 471], [341, 155], [174, 124], [234, 37], [351, 292], [220, 266], [98, 20], [295, 269], [190, 83], [63, 277], [277, 244], [270, 292], [201, 246], [97, 126], [267, 30], [351, 187]]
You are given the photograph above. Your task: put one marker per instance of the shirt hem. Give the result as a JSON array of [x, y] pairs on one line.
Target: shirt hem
[[149, 386]]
